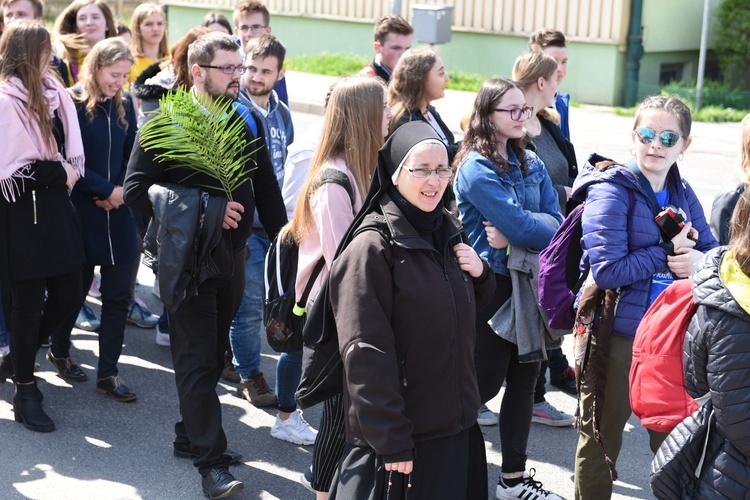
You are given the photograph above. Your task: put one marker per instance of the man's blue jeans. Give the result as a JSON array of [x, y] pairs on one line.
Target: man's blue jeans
[[245, 332]]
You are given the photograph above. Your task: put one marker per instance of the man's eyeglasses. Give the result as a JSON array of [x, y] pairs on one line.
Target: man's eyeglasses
[[423, 173], [518, 114], [667, 138], [228, 69], [253, 28]]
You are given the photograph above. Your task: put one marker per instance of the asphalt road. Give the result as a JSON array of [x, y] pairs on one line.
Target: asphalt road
[[103, 449]]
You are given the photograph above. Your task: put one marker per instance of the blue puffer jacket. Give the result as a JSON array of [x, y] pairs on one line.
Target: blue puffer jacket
[[509, 201], [624, 253]]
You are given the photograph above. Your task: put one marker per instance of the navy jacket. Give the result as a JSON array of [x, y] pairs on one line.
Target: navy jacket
[[625, 253], [109, 237]]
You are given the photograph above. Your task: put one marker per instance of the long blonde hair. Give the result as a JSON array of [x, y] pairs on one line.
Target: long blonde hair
[[353, 130], [104, 54], [139, 15], [22, 47], [745, 154]]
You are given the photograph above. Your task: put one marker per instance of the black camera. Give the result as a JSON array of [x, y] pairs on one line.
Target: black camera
[[671, 220]]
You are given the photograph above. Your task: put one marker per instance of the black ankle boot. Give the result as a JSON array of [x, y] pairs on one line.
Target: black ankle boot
[[27, 406]]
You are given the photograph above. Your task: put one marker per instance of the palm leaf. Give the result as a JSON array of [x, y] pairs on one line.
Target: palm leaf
[[186, 134]]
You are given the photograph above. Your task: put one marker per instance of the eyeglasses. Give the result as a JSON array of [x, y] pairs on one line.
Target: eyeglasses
[[253, 28], [647, 135], [228, 69], [423, 173], [518, 114]]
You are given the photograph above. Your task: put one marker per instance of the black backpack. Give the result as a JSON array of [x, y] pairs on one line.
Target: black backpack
[[322, 366], [283, 317]]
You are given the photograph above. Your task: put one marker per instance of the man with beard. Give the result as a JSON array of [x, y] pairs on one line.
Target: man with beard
[[199, 326], [264, 60]]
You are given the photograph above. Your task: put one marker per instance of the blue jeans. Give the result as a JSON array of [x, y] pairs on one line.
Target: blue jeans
[[247, 325], [288, 373]]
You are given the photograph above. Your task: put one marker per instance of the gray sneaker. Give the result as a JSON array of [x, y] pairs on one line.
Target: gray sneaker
[[545, 413], [141, 317], [485, 416]]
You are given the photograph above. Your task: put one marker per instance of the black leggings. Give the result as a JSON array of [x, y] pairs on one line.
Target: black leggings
[[34, 319], [329, 444], [496, 361]]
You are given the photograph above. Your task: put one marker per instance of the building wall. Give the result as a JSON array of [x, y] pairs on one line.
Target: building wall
[[488, 34]]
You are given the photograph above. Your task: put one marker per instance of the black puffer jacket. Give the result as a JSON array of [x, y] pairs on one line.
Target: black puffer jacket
[[717, 360], [405, 316]]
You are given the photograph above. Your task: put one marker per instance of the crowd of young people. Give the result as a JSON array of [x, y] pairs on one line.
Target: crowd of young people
[[426, 234]]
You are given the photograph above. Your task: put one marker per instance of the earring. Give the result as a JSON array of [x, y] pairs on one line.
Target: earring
[[681, 156], [632, 152]]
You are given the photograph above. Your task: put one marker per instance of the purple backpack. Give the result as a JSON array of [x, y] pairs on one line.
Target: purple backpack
[[560, 276]]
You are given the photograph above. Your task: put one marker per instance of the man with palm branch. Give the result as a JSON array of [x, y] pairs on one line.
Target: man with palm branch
[[167, 155]]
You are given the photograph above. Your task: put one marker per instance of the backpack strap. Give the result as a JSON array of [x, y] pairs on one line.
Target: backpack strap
[[335, 176], [645, 185]]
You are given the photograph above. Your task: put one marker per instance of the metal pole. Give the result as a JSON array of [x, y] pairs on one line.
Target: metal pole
[[702, 57], [396, 7]]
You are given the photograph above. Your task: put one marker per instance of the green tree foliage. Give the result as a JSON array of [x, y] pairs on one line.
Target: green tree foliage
[[732, 42]]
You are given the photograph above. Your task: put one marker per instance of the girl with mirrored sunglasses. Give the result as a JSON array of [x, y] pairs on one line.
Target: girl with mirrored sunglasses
[[629, 255]]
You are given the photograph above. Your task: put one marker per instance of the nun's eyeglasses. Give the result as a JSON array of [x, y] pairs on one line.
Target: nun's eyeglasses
[[423, 173]]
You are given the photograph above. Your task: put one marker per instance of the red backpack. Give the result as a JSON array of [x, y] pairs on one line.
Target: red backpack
[[657, 383]]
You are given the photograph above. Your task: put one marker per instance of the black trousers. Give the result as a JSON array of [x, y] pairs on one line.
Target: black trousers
[[199, 332], [115, 289], [449, 468], [329, 444], [557, 362], [34, 319], [496, 361]]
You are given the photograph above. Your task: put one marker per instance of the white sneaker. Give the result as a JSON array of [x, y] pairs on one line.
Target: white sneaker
[[162, 338], [294, 429], [485, 416], [529, 489]]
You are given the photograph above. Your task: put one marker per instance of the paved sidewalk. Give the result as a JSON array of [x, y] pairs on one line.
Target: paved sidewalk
[[105, 450]]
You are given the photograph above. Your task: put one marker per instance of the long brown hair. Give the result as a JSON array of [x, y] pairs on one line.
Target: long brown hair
[[352, 129], [745, 153], [104, 54], [23, 47], [406, 88], [69, 42], [480, 133], [739, 232], [179, 56], [139, 15]]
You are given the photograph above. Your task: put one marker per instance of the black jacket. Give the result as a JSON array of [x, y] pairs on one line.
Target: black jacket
[[723, 207], [263, 190], [405, 314], [108, 236], [717, 361], [452, 145]]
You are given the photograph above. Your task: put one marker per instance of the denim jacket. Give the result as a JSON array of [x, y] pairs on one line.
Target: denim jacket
[[509, 201]]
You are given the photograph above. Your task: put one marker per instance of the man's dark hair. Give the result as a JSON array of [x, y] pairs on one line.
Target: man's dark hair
[[203, 50], [264, 46], [391, 23], [246, 7], [546, 37]]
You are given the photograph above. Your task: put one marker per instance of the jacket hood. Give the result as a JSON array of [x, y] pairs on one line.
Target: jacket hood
[[154, 82], [618, 173], [709, 289], [273, 100]]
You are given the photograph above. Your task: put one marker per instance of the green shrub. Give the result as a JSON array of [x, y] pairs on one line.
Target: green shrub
[[732, 41], [348, 64], [714, 94]]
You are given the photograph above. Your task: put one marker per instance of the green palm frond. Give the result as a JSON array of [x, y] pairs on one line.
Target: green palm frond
[[188, 135]]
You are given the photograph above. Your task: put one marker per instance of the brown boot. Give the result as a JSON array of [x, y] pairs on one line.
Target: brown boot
[[256, 391]]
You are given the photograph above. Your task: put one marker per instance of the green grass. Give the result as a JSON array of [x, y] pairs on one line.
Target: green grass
[[348, 64]]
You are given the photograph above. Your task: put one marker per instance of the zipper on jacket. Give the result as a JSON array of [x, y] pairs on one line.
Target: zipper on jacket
[[33, 199], [109, 178]]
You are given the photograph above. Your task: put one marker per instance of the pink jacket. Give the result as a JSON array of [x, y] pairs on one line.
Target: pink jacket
[[333, 213]]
